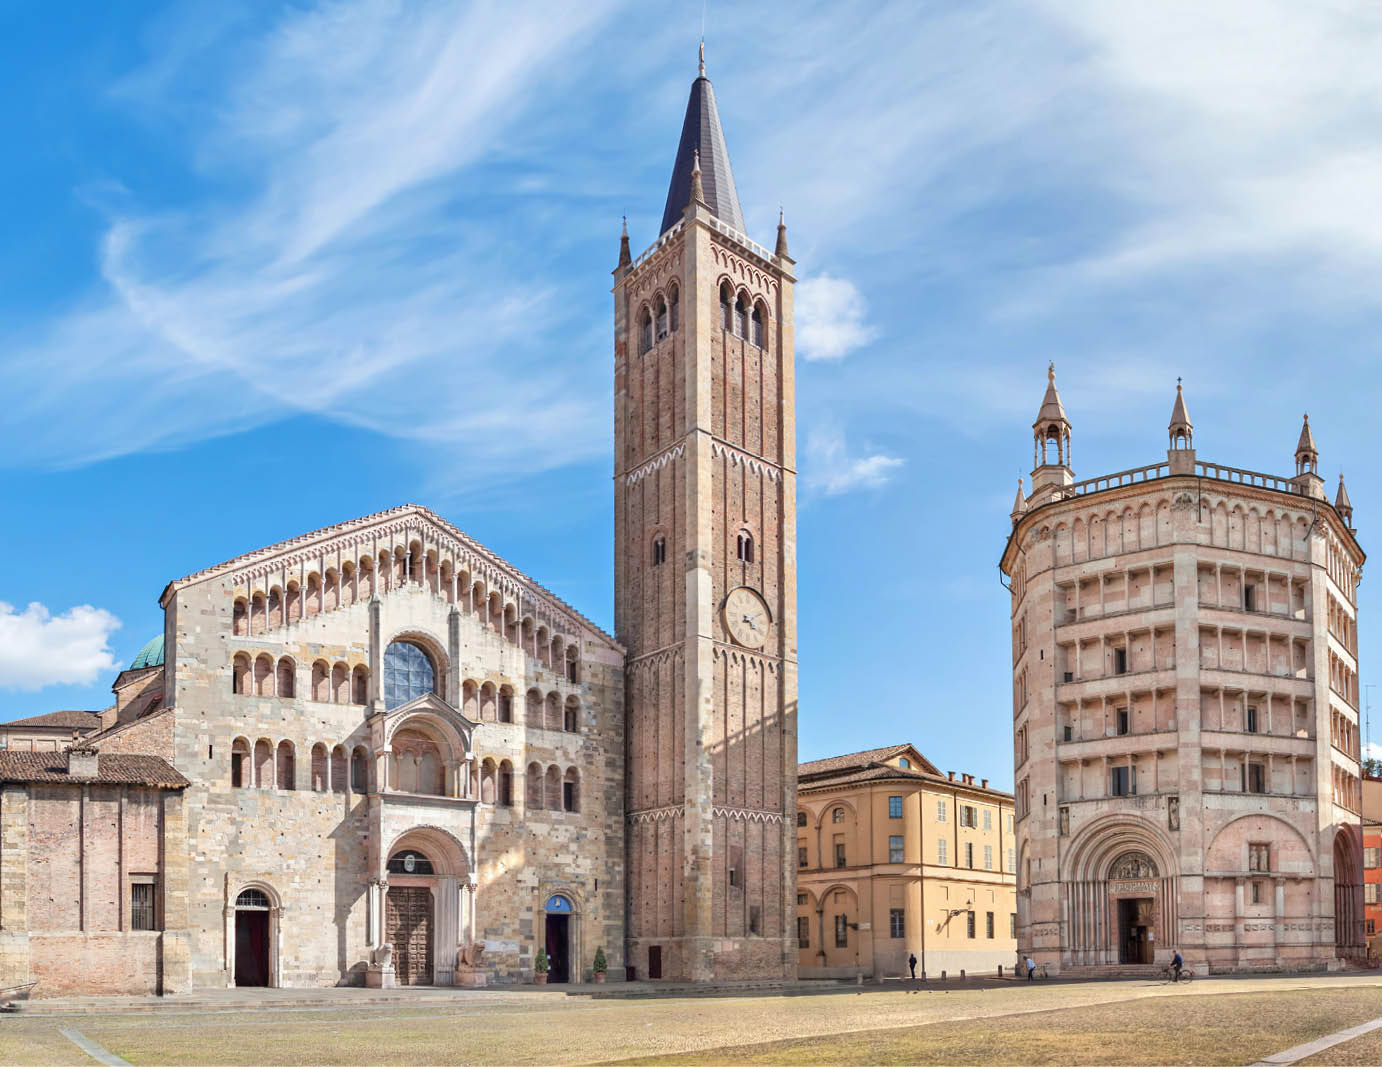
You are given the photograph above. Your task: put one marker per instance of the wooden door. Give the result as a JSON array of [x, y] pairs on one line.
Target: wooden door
[[408, 926]]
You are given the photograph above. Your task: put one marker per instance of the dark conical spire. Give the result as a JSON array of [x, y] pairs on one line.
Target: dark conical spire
[[701, 132], [781, 233]]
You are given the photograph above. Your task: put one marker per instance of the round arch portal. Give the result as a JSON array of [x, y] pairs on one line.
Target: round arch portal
[[253, 932]]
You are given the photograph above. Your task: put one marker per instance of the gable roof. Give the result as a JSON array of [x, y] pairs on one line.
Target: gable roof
[[385, 523], [856, 761], [111, 769], [873, 765], [64, 720]]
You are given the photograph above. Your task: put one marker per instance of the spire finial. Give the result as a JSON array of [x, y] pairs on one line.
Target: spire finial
[[702, 63], [781, 249], [1051, 372]]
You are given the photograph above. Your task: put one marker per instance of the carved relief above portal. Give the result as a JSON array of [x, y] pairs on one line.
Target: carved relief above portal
[[1131, 866]]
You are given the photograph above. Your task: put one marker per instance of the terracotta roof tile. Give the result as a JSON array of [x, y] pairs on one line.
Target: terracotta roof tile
[[855, 759], [112, 769], [76, 720]]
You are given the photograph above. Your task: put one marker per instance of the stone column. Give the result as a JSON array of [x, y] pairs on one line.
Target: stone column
[[446, 900]]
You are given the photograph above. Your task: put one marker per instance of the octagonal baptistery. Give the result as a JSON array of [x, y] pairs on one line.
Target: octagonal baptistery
[[1185, 712], [396, 738]]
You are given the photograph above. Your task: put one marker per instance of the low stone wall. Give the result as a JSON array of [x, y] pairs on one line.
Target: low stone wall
[[64, 964]]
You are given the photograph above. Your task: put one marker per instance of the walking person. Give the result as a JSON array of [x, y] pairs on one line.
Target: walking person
[[912, 963], [1031, 968]]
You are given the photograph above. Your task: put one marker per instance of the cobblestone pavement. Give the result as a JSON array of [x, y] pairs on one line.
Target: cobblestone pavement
[[542, 1026]]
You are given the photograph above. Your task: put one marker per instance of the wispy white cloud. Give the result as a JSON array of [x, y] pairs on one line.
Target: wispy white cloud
[[39, 649], [347, 279], [830, 467], [829, 318]]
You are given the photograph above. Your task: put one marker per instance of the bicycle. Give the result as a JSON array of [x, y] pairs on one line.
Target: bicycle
[[1169, 974]]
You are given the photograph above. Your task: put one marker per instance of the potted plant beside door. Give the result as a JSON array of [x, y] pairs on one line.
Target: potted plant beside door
[[540, 966], [600, 965]]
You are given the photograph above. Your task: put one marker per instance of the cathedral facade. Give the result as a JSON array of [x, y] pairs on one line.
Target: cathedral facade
[[1185, 711], [380, 754]]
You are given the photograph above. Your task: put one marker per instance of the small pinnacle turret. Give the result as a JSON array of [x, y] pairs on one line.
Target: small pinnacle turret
[[697, 189], [1182, 429], [624, 257], [1051, 428], [781, 249], [1343, 505], [1307, 479], [1020, 504], [1306, 452]]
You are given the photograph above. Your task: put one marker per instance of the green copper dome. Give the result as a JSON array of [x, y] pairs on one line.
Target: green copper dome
[[151, 655]]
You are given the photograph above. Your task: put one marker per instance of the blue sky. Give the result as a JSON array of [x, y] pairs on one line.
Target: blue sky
[[274, 266]]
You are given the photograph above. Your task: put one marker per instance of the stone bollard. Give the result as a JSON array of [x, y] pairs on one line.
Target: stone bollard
[[923, 976], [962, 974], [1000, 970], [859, 978], [942, 976]]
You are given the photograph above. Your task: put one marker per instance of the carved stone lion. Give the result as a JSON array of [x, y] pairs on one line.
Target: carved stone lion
[[470, 954]]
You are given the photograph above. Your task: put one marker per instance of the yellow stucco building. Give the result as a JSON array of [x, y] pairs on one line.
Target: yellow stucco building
[[895, 858]]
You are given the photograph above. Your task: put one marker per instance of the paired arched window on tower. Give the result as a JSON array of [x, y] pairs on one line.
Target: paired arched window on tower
[[661, 318], [745, 547], [741, 317]]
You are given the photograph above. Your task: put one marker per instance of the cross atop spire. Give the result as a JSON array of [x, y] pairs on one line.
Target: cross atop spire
[[701, 133]]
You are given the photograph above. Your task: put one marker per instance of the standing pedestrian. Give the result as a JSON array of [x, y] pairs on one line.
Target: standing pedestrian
[[1031, 968], [912, 963]]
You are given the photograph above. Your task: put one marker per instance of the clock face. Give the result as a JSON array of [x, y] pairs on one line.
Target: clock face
[[746, 617]]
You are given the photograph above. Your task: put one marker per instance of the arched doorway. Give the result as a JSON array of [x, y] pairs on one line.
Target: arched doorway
[[427, 912], [253, 938], [558, 937], [1134, 884], [1349, 939], [409, 919]]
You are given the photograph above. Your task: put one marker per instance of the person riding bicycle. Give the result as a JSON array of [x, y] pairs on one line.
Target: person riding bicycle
[[1177, 962]]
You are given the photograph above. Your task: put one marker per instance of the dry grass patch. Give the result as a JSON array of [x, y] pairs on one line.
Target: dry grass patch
[[25, 1043], [1364, 1050], [1228, 1029]]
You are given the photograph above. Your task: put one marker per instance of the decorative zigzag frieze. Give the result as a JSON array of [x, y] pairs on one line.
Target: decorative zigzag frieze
[[673, 811], [676, 811], [753, 659], [656, 659], [747, 814], [743, 459], [657, 463]]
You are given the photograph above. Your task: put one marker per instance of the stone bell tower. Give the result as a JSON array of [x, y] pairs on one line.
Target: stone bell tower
[[705, 577]]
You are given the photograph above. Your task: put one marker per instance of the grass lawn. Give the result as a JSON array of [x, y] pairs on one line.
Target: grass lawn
[[1229, 1029]]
